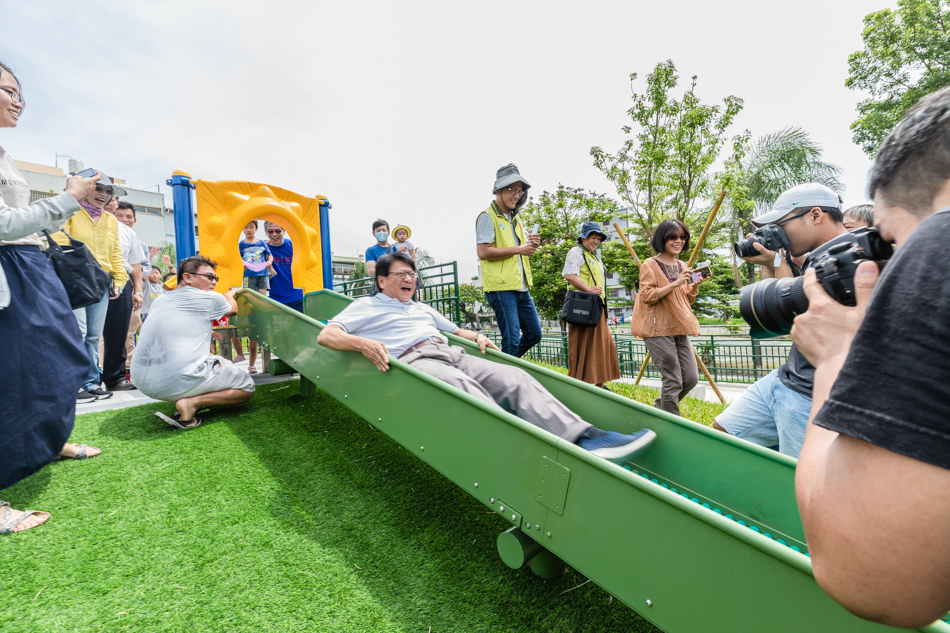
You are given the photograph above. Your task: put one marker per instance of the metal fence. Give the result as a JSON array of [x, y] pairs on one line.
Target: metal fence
[[441, 289], [729, 358]]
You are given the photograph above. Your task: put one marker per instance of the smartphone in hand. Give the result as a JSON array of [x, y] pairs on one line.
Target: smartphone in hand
[[86, 173], [701, 273]]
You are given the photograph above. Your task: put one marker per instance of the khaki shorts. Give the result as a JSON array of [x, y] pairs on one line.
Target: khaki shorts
[[225, 375]]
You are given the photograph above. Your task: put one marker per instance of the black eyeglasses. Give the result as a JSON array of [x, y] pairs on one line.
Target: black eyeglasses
[[515, 192], [205, 275], [678, 236], [797, 215], [274, 231], [15, 96]]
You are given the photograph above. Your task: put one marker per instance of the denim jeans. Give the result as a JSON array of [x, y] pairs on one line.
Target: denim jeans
[[517, 320], [769, 413], [91, 319]]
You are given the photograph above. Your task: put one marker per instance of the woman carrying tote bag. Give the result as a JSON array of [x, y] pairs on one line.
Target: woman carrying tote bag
[[592, 355], [43, 363]]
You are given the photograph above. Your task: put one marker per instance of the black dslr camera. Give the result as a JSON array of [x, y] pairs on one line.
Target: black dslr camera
[[769, 306], [771, 236]]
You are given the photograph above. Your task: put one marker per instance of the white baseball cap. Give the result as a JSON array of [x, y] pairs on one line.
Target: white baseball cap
[[804, 196]]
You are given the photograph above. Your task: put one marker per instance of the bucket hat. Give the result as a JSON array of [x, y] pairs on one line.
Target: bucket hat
[[592, 227], [105, 181], [508, 175]]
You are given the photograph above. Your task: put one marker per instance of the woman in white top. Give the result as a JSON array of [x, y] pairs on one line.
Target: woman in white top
[[592, 355], [43, 363]]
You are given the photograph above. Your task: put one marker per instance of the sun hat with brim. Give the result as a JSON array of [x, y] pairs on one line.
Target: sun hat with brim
[[592, 227], [804, 196], [509, 175], [105, 181], [401, 226]]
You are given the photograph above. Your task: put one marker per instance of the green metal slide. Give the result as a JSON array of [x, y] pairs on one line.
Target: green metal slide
[[704, 529]]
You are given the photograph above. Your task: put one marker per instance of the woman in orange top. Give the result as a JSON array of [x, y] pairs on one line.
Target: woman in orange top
[[662, 316]]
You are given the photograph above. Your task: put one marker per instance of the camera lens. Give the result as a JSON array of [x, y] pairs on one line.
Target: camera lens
[[744, 248], [769, 306]]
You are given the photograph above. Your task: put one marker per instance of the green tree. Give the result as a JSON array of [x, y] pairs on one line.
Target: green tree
[[469, 296], [663, 169], [359, 272], [560, 215], [774, 162], [423, 258], [906, 56]]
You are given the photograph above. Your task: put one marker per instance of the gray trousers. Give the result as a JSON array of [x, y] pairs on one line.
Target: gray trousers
[[511, 388], [673, 356]]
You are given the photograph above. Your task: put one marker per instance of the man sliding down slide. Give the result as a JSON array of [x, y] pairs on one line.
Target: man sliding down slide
[[391, 323]]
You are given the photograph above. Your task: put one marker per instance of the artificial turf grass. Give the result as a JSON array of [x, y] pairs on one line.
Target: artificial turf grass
[[283, 514]]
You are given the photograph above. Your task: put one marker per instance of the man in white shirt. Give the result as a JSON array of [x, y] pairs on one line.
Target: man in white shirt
[[173, 361], [125, 214], [119, 314], [391, 323]]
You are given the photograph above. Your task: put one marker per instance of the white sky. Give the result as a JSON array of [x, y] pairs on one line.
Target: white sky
[[404, 110]]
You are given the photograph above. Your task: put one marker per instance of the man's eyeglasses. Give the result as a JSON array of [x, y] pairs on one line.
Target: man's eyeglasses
[[403, 274], [205, 275], [15, 96], [515, 192], [274, 231], [786, 220]]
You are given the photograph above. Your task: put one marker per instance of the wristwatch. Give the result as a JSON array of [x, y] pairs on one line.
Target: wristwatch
[[137, 293]]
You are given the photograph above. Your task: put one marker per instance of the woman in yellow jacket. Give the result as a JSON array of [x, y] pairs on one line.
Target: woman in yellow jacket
[[662, 315], [592, 355], [99, 231]]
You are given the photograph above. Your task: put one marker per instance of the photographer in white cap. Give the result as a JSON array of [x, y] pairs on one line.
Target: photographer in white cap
[[774, 410]]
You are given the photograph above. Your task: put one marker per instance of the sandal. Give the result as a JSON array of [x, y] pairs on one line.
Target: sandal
[[177, 422], [252, 369], [83, 453], [7, 526]]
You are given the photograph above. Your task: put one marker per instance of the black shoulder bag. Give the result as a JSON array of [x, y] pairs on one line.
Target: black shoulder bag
[[83, 278], [583, 308]]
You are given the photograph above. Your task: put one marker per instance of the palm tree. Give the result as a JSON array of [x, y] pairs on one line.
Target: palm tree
[[776, 162]]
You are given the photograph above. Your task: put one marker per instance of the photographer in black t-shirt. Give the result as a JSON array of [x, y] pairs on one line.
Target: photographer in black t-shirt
[[873, 479]]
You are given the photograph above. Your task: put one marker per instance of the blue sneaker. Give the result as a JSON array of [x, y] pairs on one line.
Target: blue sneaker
[[617, 447]]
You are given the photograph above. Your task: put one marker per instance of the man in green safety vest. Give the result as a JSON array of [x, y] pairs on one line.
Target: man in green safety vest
[[504, 250]]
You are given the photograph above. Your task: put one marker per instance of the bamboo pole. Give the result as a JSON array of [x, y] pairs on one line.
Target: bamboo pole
[[712, 383], [633, 253], [702, 236]]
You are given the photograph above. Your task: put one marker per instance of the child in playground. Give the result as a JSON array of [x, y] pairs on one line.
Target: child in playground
[[258, 261], [403, 245]]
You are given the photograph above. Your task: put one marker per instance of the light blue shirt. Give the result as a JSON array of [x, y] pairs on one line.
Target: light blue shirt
[[395, 324]]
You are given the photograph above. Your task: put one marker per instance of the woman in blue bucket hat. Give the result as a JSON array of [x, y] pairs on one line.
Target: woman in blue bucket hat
[[592, 355]]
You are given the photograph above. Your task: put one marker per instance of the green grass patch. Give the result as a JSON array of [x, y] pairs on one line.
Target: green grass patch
[[283, 514], [690, 408]]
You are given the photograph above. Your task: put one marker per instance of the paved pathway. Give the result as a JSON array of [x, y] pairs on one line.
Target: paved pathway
[[702, 391]]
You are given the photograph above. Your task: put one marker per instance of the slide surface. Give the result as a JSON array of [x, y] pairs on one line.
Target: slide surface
[[702, 533]]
